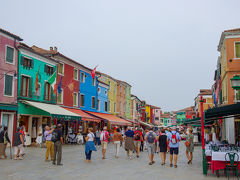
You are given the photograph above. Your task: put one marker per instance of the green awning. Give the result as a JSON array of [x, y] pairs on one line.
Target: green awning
[[54, 111], [8, 107]]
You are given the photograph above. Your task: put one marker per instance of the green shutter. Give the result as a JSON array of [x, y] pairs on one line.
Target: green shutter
[[9, 55], [30, 87], [51, 93], [237, 49], [22, 60], [8, 85], [31, 63]]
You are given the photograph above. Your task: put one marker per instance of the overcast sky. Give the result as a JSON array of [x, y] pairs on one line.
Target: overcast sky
[[166, 49]]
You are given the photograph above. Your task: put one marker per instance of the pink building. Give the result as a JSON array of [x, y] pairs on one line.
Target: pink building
[[156, 115], [8, 80]]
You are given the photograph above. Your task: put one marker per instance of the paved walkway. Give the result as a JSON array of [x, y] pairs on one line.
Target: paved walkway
[[34, 167]]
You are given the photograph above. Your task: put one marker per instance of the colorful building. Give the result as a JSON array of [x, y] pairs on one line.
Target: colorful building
[[207, 97], [135, 108], [157, 115], [102, 97], [128, 101], [121, 99], [185, 114], [112, 92], [8, 80]]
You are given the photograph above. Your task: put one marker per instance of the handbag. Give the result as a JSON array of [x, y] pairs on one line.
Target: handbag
[[187, 143], [5, 141]]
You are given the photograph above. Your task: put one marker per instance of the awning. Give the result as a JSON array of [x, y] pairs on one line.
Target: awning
[[8, 107], [84, 116], [195, 121], [54, 110], [114, 120], [145, 124], [132, 121]]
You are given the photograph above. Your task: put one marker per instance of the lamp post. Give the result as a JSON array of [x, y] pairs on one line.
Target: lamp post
[[203, 140]]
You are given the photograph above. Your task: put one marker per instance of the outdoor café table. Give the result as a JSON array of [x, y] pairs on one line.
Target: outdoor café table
[[218, 161]]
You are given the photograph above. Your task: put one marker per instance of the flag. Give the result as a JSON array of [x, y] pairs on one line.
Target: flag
[[93, 72], [52, 80], [71, 87], [36, 81], [59, 86]]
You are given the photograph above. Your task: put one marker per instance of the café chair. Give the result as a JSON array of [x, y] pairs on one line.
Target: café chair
[[231, 160]]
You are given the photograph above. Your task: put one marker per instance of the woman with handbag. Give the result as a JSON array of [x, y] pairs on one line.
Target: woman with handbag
[[89, 146], [4, 139], [189, 146]]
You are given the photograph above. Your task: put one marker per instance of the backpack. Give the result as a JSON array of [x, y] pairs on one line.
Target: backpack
[[54, 136], [102, 136], [150, 138], [174, 138], [137, 137]]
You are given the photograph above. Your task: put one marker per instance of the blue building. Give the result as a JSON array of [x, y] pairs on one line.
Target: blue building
[[102, 99], [88, 91]]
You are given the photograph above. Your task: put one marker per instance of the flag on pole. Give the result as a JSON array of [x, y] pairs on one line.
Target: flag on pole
[[36, 81], [52, 80], [59, 86], [93, 72]]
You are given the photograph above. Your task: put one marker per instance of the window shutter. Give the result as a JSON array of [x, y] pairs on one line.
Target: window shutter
[[8, 85], [45, 68], [22, 60], [30, 87], [9, 55], [51, 94], [44, 94], [31, 63]]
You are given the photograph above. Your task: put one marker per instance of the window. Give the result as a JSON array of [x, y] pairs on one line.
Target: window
[[114, 107], [109, 85], [82, 77], [8, 85], [48, 70], [75, 74], [237, 95], [115, 89], [98, 90], [156, 118], [47, 91], [60, 97], [61, 69], [94, 81], [9, 54], [237, 49], [109, 106], [106, 106], [26, 62], [93, 103], [26, 86], [98, 104], [75, 99], [82, 100], [105, 92]]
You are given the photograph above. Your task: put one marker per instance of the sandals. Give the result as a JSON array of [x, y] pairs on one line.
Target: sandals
[[175, 166], [171, 165], [150, 163]]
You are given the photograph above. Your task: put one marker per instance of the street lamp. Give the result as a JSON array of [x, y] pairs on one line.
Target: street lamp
[[235, 82]]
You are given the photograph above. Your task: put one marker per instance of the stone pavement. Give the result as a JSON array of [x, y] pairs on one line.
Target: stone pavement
[[34, 167]]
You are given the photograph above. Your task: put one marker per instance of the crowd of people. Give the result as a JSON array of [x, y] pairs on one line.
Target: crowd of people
[[134, 140]]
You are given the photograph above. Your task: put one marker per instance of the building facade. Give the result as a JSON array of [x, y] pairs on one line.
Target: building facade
[[102, 97], [33, 86], [135, 108], [128, 101], [121, 99], [8, 80]]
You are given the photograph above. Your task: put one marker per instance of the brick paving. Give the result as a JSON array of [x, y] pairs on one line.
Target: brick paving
[[34, 167]]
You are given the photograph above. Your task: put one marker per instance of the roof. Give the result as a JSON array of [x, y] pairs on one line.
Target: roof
[[85, 116], [54, 52], [114, 120], [225, 33], [187, 109], [205, 92], [166, 115], [10, 34], [26, 47], [136, 97]]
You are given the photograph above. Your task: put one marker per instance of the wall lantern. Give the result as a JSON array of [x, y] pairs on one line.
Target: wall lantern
[[235, 82]]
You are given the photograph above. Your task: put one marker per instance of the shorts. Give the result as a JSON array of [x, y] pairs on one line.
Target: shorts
[[174, 151], [104, 145], [19, 147], [151, 148], [137, 144]]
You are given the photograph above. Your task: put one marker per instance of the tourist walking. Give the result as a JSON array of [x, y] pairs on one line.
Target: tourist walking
[[150, 138], [97, 139], [138, 138], [4, 139], [142, 141], [173, 138], [189, 146], [18, 144], [117, 140], [89, 146], [104, 141], [129, 143], [163, 146], [57, 138], [49, 143]]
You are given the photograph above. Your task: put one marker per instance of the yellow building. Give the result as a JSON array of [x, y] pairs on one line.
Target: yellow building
[[207, 97], [112, 92], [148, 113]]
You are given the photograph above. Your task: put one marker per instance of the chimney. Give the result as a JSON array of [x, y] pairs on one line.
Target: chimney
[[55, 48], [51, 48]]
